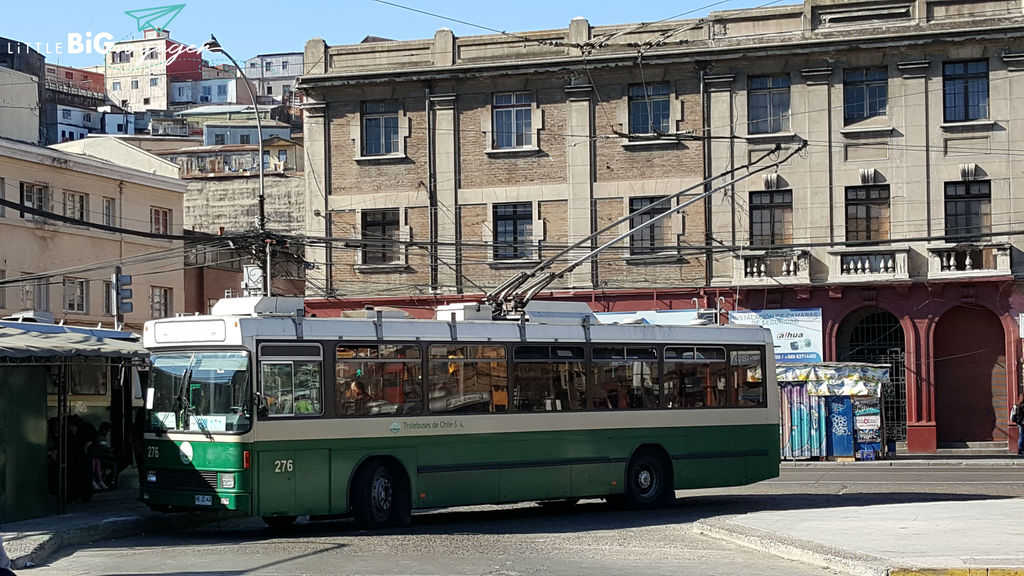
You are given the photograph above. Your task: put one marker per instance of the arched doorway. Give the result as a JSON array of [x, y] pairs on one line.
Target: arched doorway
[[875, 335], [969, 367]]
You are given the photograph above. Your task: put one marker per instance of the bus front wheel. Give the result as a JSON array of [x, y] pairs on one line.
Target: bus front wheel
[[646, 480], [381, 495]]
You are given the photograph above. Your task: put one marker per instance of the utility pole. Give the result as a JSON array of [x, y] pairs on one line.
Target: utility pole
[[214, 46]]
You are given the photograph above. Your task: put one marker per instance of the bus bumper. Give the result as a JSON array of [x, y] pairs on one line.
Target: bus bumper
[[191, 500]]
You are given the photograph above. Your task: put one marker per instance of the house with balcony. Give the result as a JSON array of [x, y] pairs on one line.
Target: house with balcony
[[894, 214]]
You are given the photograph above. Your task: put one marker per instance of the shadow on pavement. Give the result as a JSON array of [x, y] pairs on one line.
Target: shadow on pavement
[[590, 515]]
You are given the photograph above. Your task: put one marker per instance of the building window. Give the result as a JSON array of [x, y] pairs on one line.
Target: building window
[[222, 90], [768, 104], [3, 290], [145, 101], [771, 218], [35, 294], [266, 159], [87, 117], [65, 114], [965, 90], [270, 90], [76, 205], [284, 64], [108, 298], [243, 139], [513, 231], [154, 81], [69, 75], [649, 108], [253, 65], [379, 231], [266, 66], [218, 139], [152, 54], [160, 220], [135, 84], [76, 295], [867, 213], [116, 86], [206, 90], [35, 196], [109, 211], [282, 157], [512, 120], [646, 241], [380, 128], [968, 209], [160, 302], [865, 93], [3, 196]]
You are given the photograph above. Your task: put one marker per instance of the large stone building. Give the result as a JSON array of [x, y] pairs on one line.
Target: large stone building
[[67, 266], [895, 217]]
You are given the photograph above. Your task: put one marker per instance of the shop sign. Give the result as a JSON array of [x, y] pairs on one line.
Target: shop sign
[[795, 331]]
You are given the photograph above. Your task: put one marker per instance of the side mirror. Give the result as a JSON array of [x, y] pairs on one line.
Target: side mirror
[[150, 395], [262, 406]]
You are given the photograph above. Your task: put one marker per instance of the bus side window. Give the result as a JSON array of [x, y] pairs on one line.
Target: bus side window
[[624, 379], [378, 380], [467, 379], [292, 387], [747, 372]]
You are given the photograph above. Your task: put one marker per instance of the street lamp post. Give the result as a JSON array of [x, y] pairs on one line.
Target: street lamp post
[[214, 46]]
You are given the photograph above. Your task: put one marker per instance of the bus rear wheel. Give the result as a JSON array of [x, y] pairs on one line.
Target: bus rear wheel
[[646, 480], [380, 496], [279, 522]]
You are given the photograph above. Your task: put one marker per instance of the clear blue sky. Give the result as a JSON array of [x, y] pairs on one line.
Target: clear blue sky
[[255, 26]]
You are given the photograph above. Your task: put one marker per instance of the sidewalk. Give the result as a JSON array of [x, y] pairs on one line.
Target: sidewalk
[[976, 536], [909, 463], [107, 515]]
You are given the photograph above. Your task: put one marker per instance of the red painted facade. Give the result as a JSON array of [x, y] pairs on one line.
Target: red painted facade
[[184, 63], [960, 338]]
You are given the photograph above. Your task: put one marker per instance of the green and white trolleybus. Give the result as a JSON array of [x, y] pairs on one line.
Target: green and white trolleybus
[[258, 409]]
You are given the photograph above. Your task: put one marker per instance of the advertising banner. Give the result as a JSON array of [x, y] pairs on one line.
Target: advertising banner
[[795, 331]]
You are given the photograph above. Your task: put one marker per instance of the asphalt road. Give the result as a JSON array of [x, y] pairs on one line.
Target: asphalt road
[[593, 538]]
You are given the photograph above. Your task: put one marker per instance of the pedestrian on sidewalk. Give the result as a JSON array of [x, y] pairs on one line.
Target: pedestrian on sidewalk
[[1017, 417]]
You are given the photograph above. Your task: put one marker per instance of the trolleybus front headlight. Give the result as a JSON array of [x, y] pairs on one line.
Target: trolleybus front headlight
[[151, 477], [227, 481]]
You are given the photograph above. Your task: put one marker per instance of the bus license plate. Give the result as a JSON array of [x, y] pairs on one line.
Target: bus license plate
[[204, 500]]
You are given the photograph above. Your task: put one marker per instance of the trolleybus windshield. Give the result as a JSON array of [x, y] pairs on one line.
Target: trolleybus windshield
[[199, 391]]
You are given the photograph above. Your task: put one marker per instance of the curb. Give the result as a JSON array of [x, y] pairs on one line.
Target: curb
[[957, 572], [981, 463], [118, 527], [793, 549]]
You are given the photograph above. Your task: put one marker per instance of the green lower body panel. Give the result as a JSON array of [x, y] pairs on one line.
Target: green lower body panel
[[314, 476], [182, 499]]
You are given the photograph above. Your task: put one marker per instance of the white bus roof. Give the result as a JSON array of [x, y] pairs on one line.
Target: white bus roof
[[235, 330]]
